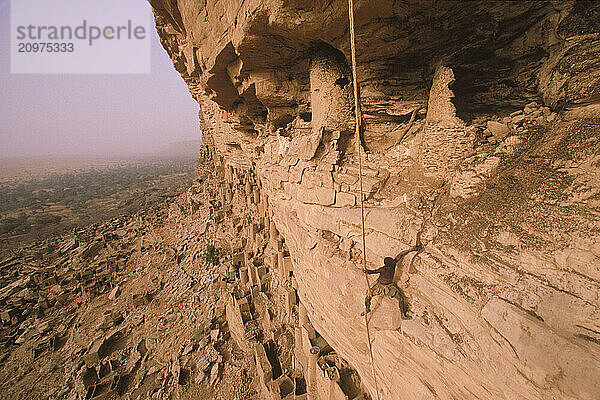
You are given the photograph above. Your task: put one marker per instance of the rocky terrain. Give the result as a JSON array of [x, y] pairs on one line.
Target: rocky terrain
[[127, 308], [194, 298], [481, 130], [481, 136]]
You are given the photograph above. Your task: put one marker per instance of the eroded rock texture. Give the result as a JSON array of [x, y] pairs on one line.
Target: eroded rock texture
[[481, 125]]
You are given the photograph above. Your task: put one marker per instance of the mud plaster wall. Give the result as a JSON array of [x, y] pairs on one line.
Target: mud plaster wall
[[481, 125], [331, 91]]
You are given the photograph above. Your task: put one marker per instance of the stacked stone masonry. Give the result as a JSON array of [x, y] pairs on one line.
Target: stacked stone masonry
[[264, 315]]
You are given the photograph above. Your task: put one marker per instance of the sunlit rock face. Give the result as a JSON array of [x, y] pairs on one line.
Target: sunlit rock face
[[481, 125]]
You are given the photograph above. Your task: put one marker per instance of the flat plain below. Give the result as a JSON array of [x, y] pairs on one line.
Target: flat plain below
[[41, 198]]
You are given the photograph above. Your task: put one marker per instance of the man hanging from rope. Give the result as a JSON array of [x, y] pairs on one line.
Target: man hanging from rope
[[384, 285]]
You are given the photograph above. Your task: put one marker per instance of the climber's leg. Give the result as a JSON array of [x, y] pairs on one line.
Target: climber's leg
[[368, 303], [368, 299], [396, 292]]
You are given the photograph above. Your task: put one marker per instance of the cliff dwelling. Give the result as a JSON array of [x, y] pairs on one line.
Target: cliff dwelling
[[478, 135], [394, 200]]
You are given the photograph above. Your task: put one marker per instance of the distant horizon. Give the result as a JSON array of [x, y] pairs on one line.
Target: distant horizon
[[93, 115], [108, 156]]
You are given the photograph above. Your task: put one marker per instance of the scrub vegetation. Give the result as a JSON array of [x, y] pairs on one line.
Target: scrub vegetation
[[38, 208]]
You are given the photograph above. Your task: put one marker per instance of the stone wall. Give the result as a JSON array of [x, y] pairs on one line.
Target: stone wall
[[481, 126]]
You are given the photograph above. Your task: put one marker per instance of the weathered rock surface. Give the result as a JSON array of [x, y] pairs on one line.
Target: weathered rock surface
[[139, 317], [505, 297]]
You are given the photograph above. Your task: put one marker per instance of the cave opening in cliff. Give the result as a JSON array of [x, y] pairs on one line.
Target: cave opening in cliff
[[490, 85]]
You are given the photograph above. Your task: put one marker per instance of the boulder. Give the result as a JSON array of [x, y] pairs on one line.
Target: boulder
[[498, 129], [116, 292]]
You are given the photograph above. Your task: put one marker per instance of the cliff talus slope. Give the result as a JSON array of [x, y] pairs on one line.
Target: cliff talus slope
[[481, 128]]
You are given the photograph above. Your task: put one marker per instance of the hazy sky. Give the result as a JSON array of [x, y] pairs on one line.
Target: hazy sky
[[92, 115]]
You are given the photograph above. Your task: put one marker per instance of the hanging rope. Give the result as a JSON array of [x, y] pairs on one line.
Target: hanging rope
[[357, 117]]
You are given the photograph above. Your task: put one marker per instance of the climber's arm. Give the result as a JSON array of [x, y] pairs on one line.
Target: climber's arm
[[405, 252], [373, 271]]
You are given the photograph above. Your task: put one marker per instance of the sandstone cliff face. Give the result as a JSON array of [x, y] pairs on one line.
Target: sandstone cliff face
[[482, 128]]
